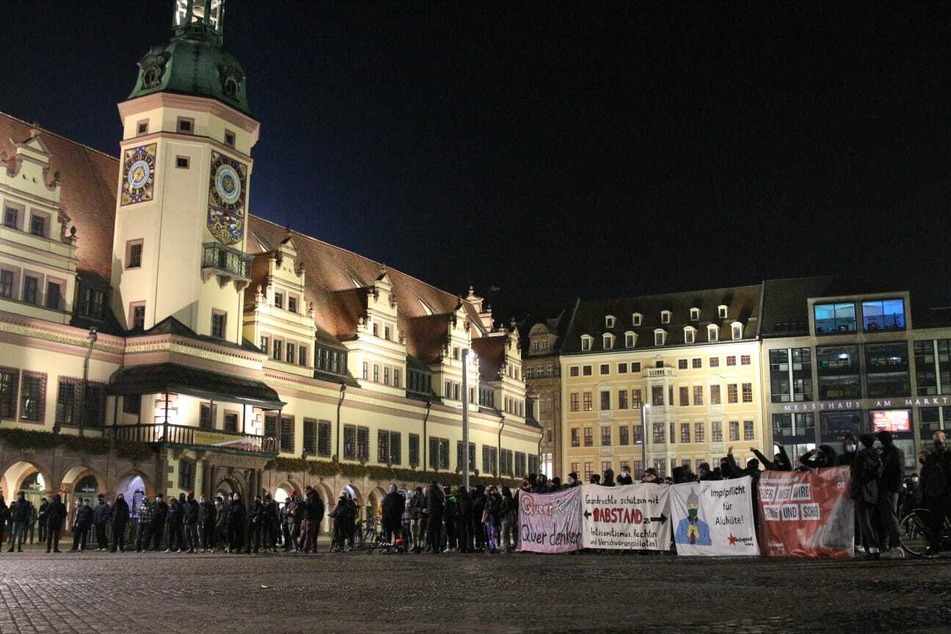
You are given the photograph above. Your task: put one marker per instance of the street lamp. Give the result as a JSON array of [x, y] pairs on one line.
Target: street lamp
[[645, 408], [91, 338]]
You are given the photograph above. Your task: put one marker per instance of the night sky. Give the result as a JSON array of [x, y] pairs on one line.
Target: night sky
[[560, 150]]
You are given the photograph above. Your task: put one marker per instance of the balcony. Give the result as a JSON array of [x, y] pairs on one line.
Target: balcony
[[199, 438], [227, 263]]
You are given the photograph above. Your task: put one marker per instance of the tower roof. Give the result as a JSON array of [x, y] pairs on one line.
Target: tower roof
[[193, 62]]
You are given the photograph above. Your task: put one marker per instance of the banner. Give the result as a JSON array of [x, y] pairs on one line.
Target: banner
[[807, 513], [634, 516], [714, 518], [549, 522]]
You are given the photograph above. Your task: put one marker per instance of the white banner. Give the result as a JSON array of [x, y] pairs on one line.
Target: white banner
[[550, 522], [635, 516], [714, 517]]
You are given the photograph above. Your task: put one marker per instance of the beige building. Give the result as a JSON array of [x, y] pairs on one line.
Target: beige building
[[543, 384], [683, 366], [157, 336]]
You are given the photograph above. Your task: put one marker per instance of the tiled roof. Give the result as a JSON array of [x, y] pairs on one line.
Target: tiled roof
[[589, 319], [88, 180]]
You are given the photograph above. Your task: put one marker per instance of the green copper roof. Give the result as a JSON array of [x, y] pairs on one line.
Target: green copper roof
[[193, 63]]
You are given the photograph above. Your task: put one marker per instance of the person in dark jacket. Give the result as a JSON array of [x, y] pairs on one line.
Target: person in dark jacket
[[464, 520], [159, 517], [450, 514], [890, 486], [270, 523], [509, 516], [780, 461], [492, 518], [392, 511], [44, 507], [866, 470], [624, 478], [190, 520], [818, 458], [435, 507], [935, 488], [255, 516], [55, 516], [207, 521], [850, 447], [120, 519], [417, 507], [100, 520], [81, 526], [478, 508], [20, 513], [4, 517], [236, 519], [174, 522]]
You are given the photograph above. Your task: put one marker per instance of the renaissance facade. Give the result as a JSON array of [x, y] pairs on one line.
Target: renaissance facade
[[156, 336]]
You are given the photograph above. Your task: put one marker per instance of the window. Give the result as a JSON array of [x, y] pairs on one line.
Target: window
[[607, 341], [389, 447], [323, 438], [574, 402], [573, 371], [30, 289], [694, 314], [835, 318], [292, 304], [685, 432], [206, 415], [186, 474], [638, 435], [887, 369], [310, 437], [291, 353], [629, 339], [722, 311], [520, 463], [673, 432], [839, 372], [624, 435], [270, 426], [131, 404], [278, 351], [461, 458], [133, 254], [279, 300], [696, 364], [387, 333], [748, 430], [747, 392], [11, 217], [142, 127], [604, 369], [38, 224], [68, 399], [665, 316], [366, 371], [92, 302], [376, 333], [586, 370], [229, 138], [231, 422], [376, 374], [659, 433], [605, 436], [883, 314], [731, 393], [6, 283], [54, 295], [636, 319], [605, 400], [507, 463], [265, 344], [609, 321], [575, 437], [182, 162], [684, 396], [636, 401], [587, 471], [730, 361], [587, 401], [714, 395], [219, 321], [660, 337], [734, 430], [302, 356], [33, 396], [698, 395], [414, 449], [681, 364], [356, 442], [690, 335], [744, 359], [737, 331], [438, 453], [657, 395], [636, 367], [713, 333], [588, 437], [622, 399], [698, 432], [790, 375], [585, 343], [713, 362], [716, 431], [185, 125]]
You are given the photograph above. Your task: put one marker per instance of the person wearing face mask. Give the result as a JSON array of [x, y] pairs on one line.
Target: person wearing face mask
[[849, 449], [893, 473], [866, 470]]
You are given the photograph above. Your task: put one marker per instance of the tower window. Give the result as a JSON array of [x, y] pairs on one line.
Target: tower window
[[185, 125], [11, 217], [219, 322], [133, 254], [229, 138], [181, 162], [142, 127], [38, 224], [137, 316]]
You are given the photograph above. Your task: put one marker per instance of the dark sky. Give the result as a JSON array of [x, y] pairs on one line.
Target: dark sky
[[558, 150]]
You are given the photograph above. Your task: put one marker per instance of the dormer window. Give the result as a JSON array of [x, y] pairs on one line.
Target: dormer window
[[665, 316], [586, 341], [278, 300], [722, 312], [292, 304], [636, 319], [713, 332], [660, 337], [690, 334], [694, 314], [609, 321], [630, 339], [607, 340], [737, 330]]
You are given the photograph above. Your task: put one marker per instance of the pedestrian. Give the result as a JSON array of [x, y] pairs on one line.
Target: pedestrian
[[120, 520], [100, 519], [866, 469], [159, 516], [190, 520], [255, 519], [20, 514], [435, 506], [417, 506], [175, 526], [207, 520], [4, 517], [144, 524], [81, 526], [890, 486], [55, 516], [492, 519], [392, 508], [624, 477], [236, 519], [464, 520], [450, 514], [934, 489], [270, 523], [509, 518], [41, 520]]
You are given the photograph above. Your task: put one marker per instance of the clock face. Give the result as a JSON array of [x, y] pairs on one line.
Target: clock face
[[138, 173], [226, 198]]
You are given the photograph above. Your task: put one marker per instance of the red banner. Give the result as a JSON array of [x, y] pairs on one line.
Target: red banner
[[807, 513]]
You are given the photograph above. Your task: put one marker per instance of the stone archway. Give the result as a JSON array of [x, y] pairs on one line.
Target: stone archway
[[285, 490], [134, 485], [30, 477], [226, 484]]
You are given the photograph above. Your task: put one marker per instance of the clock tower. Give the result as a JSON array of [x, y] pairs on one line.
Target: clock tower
[[182, 204]]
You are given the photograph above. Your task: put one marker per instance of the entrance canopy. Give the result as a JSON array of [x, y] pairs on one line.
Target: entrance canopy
[[179, 379]]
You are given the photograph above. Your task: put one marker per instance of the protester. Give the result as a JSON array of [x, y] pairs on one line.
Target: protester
[[866, 469], [55, 516], [120, 519], [20, 513]]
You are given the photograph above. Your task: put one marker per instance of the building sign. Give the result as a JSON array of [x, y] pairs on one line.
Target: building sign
[[869, 403]]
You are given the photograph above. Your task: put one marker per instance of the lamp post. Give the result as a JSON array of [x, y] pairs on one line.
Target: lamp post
[[343, 392], [645, 408], [465, 417], [91, 338]]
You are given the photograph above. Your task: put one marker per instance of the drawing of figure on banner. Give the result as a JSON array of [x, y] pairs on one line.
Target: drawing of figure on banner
[[692, 529]]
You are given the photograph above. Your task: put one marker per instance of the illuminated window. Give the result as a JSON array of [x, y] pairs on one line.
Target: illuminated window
[[835, 318], [883, 314]]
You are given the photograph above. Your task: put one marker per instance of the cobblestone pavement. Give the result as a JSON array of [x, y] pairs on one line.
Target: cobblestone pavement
[[156, 592]]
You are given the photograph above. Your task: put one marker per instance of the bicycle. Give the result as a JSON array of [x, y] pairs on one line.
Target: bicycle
[[916, 532]]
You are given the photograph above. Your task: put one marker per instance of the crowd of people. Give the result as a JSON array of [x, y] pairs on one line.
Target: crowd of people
[[437, 518]]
